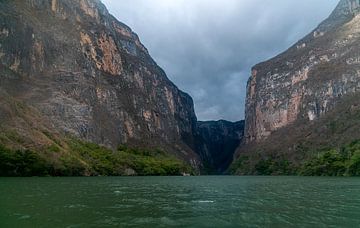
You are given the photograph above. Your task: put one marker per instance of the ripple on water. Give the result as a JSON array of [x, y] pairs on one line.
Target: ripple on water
[[167, 221], [203, 201], [75, 206], [21, 216], [25, 217], [190, 202]]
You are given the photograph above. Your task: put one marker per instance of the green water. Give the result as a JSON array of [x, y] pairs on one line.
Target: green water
[[180, 202]]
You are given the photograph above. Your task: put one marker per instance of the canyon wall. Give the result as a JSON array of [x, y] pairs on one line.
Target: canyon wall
[[305, 102], [307, 80], [89, 76]]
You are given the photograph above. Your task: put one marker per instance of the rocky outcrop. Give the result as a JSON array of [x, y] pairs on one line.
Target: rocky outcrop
[[309, 79], [88, 75], [305, 100], [217, 142]]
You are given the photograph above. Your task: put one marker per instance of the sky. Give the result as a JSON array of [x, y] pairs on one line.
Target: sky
[[207, 47]]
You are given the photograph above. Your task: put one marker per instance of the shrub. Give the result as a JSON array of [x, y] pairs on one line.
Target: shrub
[[333, 162], [270, 166], [144, 162], [22, 163], [84, 158]]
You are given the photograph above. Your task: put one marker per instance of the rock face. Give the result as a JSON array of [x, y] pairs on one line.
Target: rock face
[[309, 79], [217, 142], [305, 100], [89, 76]]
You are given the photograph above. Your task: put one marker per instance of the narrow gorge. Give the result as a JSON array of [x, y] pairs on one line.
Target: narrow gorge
[[81, 95], [70, 73]]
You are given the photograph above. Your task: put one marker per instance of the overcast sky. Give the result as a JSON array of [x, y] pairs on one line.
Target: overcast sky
[[207, 47]]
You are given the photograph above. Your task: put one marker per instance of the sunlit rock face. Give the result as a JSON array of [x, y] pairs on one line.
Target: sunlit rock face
[[307, 80], [91, 77]]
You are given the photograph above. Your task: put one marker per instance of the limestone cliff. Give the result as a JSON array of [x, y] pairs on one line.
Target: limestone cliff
[[86, 74], [304, 100], [307, 80]]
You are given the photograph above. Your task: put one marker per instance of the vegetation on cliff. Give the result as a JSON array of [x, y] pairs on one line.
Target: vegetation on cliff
[[302, 107], [327, 146], [343, 161], [88, 159], [334, 162]]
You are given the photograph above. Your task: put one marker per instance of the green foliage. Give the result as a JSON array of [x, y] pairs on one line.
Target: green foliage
[[70, 166], [344, 161], [354, 165], [85, 158], [11, 136], [262, 166], [329, 163], [22, 163], [53, 149], [273, 166], [98, 158], [333, 162], [240, 164], [52, 137], [103, 161]]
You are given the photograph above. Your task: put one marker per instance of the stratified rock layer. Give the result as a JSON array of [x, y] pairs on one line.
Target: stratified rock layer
[[89, 76], [304, 100], [307, 80]]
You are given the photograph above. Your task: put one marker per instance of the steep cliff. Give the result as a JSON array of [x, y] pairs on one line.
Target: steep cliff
[[216, 143], [289, 95], [78, 71], [307, 80]]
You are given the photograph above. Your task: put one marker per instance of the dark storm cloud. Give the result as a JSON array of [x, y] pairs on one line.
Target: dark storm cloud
[[207, 47]]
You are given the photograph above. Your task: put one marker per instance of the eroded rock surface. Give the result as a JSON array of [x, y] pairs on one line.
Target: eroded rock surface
[[304, 101], [90, 76], [307, 80]]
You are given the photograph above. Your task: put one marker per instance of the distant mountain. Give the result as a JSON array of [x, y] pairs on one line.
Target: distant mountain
[[305, 101]]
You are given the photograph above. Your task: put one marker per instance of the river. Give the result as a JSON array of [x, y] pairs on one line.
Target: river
[[206, 201]]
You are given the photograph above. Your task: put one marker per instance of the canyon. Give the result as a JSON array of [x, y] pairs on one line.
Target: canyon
[[69, 69], [79, 89]]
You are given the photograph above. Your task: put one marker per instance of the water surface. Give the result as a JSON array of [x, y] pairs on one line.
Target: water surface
[[213, 201]]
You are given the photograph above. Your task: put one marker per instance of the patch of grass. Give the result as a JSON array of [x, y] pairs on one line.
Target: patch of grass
[[53, 148], [13, 137], [51, 137]]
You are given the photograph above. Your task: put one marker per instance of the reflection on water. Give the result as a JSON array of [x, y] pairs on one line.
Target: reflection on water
[[180, 202]]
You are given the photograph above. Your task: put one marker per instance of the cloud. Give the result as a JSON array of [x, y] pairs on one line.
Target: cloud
[[207, 47]]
